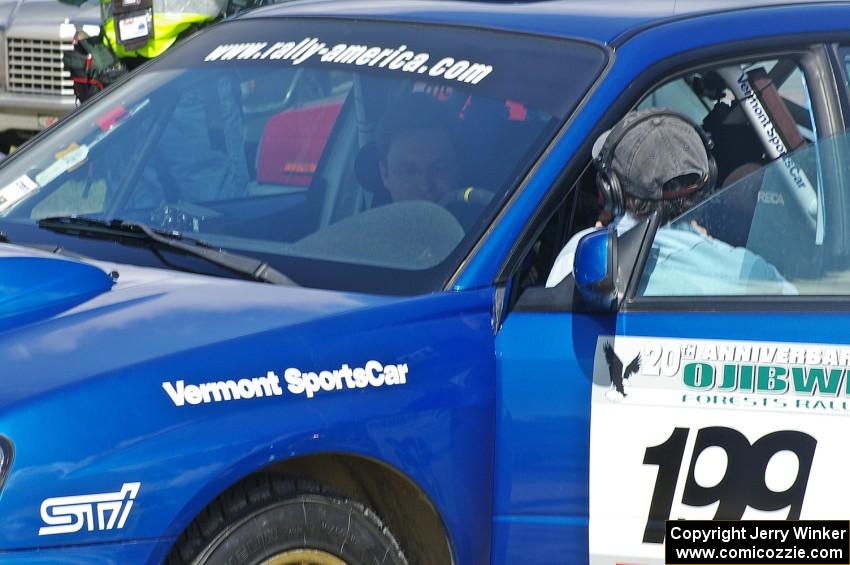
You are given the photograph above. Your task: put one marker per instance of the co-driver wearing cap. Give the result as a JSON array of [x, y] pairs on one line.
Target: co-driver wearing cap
[[659, 161], [650, 154]]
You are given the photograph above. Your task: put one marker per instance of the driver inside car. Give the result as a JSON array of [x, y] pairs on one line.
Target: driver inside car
[[418, 153]]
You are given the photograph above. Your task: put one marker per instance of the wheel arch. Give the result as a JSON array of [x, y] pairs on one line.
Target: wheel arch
[[401, 504]]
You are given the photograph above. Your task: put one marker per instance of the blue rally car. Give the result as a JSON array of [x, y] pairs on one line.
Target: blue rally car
[[281, 296]]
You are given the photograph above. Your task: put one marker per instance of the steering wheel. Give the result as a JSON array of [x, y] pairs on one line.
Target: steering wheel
[[469, 196], [181, 216], [466, 204]]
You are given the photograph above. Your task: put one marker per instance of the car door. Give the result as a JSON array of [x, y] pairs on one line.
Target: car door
[[722, 414]]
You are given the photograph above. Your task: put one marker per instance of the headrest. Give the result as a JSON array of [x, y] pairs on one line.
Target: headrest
[[368, 173]]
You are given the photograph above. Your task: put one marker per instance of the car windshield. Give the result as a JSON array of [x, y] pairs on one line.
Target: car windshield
[[348, 155]]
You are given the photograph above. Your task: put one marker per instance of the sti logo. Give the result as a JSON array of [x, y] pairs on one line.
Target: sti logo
[[68, 514], [615, 369]]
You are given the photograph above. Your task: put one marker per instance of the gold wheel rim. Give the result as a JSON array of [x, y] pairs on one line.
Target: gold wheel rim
[[304, 557]]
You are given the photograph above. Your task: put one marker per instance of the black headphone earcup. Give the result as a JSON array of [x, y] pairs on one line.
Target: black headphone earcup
[[612, 195], [712, 173], [604, 188], [618, 203]]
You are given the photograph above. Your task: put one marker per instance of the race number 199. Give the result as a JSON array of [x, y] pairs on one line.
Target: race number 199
[[743, 483]]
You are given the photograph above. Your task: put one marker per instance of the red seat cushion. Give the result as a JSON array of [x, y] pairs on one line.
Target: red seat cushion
[[292, 144]]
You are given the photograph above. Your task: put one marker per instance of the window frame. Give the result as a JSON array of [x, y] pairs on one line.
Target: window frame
[[810, 51], [811, 61]]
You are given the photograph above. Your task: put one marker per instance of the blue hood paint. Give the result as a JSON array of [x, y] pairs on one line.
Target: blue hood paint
[[88, 383], [146, 314], [35, 286]]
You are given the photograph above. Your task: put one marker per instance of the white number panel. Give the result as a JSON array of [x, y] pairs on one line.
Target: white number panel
[[699, 429]]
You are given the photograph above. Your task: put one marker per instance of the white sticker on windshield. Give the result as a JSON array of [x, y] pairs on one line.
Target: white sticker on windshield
[[66, 160], [395, 58], [11, 193]]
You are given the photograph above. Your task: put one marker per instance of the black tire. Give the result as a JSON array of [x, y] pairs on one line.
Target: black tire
[[267, 517]]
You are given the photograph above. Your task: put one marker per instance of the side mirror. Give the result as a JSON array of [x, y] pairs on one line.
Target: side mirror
[[595, 268]]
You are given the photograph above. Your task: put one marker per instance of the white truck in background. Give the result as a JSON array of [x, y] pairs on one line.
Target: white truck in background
[[35, 89]]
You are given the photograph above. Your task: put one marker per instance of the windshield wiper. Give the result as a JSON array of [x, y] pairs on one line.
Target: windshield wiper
[[49, 248], [119, 230]]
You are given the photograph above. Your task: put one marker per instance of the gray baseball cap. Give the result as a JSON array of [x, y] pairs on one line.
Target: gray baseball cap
[[652, 147]]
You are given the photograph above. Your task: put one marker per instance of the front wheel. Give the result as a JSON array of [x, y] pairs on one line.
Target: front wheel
[[273, 521]]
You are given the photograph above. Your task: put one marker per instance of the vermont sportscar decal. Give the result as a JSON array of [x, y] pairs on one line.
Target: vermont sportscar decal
[[371, 375]]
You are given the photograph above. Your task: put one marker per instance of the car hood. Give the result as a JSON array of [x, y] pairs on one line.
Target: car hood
[[64, 321], [40, 19], [34, 286]]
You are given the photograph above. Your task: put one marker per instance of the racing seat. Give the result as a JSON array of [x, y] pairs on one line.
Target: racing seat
[[743, 215], [722, 216], [291, 146], [368, 174]]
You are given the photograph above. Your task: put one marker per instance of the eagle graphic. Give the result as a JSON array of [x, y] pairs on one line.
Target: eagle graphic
[[615, 368]]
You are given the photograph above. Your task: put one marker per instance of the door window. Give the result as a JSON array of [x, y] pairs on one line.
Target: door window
[[773, 227], [766, 230], [759, 119]]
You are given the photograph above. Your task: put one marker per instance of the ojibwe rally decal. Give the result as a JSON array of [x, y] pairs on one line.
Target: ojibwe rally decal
[[727, 374], [712, 429]]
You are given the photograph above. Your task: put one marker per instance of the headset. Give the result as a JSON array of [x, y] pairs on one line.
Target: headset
[[611, 194]]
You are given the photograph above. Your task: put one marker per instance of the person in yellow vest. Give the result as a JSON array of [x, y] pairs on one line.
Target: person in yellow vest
[[146, 28], [134, 31]]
